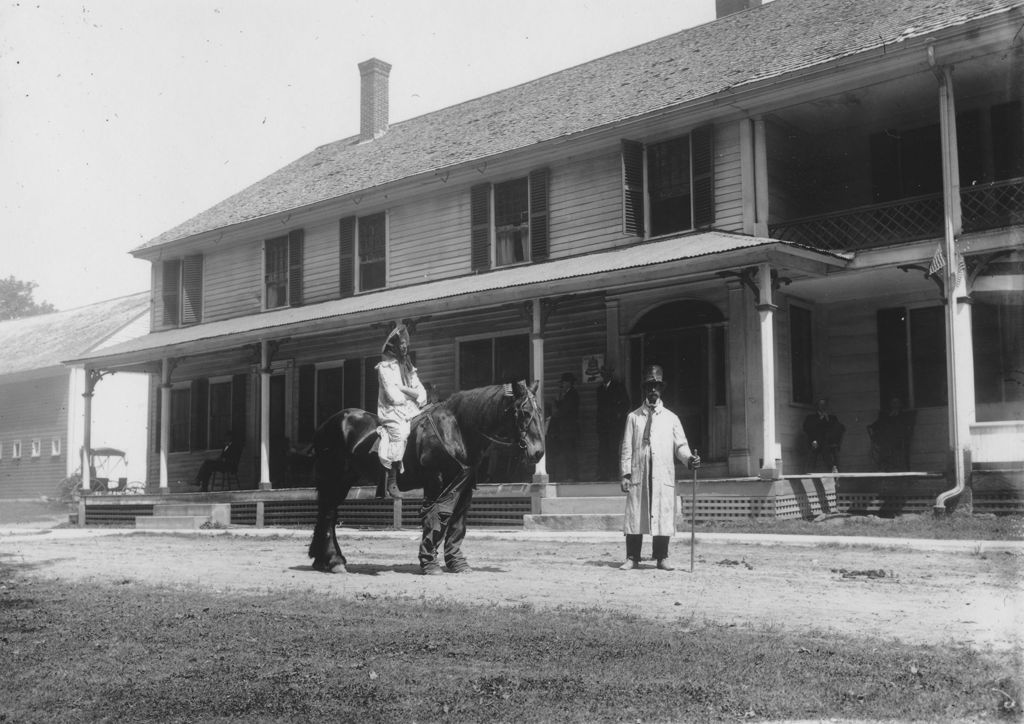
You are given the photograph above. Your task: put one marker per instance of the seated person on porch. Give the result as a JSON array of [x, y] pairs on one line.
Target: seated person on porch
[[824, 436], [890, 437], [227, 461]]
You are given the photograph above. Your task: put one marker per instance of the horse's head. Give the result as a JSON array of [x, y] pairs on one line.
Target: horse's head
[[528, 420]]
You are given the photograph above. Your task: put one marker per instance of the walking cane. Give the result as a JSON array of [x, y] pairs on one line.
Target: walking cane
[[693, 515]]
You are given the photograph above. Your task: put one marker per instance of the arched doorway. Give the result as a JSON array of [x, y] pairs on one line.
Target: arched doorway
[[687, 338]]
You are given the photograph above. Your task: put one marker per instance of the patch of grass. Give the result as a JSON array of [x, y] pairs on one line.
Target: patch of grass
[[128, 652], [32, 511]]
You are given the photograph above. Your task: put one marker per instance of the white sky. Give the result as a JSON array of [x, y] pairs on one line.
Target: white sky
[[120, 119]]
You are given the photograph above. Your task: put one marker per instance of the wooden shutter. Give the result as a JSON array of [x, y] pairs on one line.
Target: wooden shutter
[[192, 289], [480, 223], [702, 150], [307, 402], [197, 423], [346, 256], [239, 385], [633, 187], [295, 255], [170, 292], [539, 225]]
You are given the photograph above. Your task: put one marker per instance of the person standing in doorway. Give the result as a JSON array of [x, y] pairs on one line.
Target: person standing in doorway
[[400, 398], [824, 436], [612, 409], [564, 431], [653, 440]]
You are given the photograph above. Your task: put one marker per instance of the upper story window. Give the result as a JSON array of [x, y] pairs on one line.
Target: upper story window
[[362, 253], [668, 186], [510, 221], [282, 270], [182, 291]]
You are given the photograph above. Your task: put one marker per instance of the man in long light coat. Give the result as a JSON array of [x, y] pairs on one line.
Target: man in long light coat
[[652, 439]]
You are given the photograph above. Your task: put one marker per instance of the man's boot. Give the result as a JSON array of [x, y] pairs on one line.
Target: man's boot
[[392, 482]]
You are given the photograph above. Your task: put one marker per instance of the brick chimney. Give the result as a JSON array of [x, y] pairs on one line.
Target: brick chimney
[[728, 7], [373, 114]]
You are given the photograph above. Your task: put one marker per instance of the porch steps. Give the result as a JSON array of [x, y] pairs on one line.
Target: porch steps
[[185, 516]]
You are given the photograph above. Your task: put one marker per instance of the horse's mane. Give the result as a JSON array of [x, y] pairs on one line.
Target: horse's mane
[[480, 408]]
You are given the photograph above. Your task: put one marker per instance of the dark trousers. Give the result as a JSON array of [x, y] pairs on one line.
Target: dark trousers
[[659, 546]]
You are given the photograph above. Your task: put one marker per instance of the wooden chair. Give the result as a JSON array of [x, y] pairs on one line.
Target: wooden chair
[[228, 472]]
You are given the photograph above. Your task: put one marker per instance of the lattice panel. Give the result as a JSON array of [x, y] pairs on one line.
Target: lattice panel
[[115, 514]]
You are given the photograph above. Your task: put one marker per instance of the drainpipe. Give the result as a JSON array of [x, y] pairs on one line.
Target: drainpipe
[[959, 361], [265, 482]]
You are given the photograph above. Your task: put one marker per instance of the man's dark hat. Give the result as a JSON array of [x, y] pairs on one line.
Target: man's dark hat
[[653, 373]]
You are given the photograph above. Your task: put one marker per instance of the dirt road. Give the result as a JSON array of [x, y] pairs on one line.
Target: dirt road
[[972, 595]]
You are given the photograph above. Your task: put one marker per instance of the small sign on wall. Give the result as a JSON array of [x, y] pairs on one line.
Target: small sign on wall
[[592, 365]]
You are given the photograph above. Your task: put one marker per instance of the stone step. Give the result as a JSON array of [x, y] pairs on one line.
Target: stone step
[[170, 522], [603, 504], [577, 521], [217, 513]]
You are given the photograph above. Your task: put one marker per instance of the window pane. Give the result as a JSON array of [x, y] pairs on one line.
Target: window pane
[[329, 392], [179, 420], [998, 353], [372, 250], [276, 272], [475, 363], [512, 221], [928, 356], [511, 358], [220, 414], [800, 354], [668, 186], [893, 380]]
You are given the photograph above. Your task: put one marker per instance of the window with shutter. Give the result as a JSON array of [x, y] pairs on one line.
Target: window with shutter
[[346, 256], [480, 223], [180, 418], [371, 240], [519, 231], [283, 261], [192, 289], [668, 187], [171, 292], [220, 413]]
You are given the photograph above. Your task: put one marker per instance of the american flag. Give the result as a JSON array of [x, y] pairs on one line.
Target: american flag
[[939, 261]]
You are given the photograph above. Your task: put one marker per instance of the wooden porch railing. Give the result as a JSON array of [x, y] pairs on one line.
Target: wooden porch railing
[[985, 206]]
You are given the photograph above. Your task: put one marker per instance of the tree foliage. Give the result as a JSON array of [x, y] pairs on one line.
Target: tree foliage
[[16, 300]]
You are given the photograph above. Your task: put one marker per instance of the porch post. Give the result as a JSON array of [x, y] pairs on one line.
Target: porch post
[[165, 420], [766, 309], [959, 348], [739, 441], [760, 178], [540, 473], [90, 385], [265, 483]]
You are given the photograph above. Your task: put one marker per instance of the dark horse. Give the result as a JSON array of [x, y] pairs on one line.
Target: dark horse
[[446, 446]]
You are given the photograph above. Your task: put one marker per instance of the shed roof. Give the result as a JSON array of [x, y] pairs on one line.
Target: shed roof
[[36, 343], [764, 43], [674, 256]]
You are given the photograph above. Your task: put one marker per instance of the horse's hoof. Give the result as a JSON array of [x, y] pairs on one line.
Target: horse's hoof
[[330, 566], [430, 569], [459, 567]]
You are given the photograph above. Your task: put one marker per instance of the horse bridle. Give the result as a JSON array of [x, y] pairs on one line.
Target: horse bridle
[[523, 418]]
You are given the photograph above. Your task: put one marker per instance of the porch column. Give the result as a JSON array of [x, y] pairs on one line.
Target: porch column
[[540, 472], [739, 441], [760, 178], [766, 309], [265, 483], [165, 420], [959, 347], [90, 385]]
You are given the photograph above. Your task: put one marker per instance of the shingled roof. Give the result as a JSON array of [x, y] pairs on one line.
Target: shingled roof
[[37, 343], [767, 42]]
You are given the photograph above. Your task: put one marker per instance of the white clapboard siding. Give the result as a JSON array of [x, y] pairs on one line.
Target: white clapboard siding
[[320, 262], [233, 283], [586, 206], [434, 229], [728, 178]]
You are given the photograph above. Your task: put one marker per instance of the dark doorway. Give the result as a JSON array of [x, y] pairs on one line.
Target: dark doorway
[[687, 338]]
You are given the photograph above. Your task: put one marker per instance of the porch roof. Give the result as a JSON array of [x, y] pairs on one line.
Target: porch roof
[[681, 257]]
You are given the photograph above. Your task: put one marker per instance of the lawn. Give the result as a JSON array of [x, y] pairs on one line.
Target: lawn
[[131, 652]]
